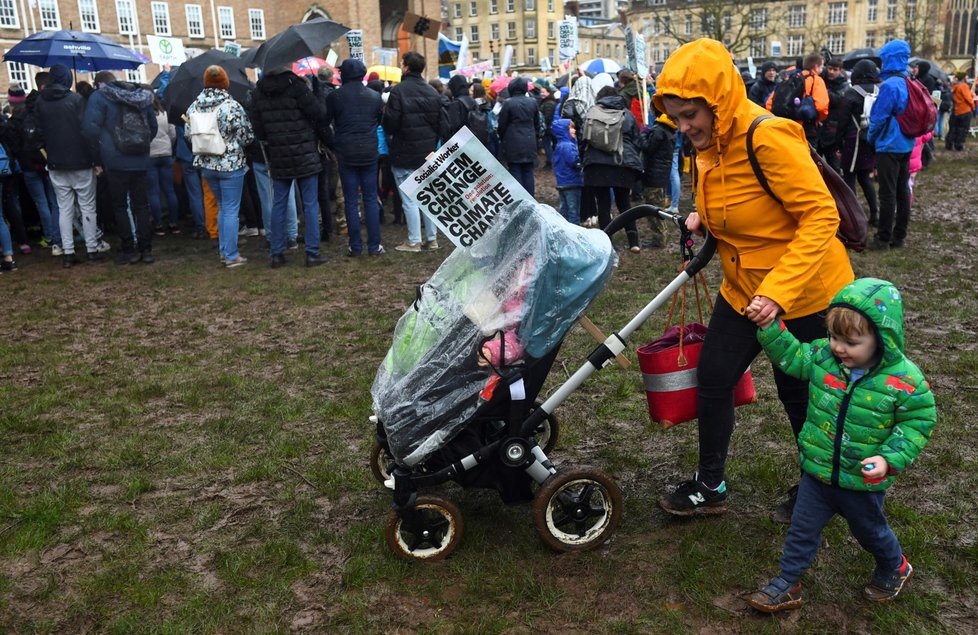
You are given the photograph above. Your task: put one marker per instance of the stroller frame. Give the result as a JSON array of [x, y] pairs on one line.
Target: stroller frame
[[574, 510]]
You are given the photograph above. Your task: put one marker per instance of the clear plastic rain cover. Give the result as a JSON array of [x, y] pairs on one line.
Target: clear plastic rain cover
[[512, 296]]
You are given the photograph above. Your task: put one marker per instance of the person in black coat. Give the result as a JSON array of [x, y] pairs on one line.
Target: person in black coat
[[290, 122], [355, 112], [858, 154], [762, 88], [610, 174], [518, 133], [457, 110], [415, 122], [828, 131]]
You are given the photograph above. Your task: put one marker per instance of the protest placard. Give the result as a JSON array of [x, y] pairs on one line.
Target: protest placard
[[420, 25], [475, 69], [166, 50], [354, 40], [233, 49], [462, 187], [635, 52], [567, 39]]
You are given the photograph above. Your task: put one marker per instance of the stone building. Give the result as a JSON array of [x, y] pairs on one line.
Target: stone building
[[529, 26]]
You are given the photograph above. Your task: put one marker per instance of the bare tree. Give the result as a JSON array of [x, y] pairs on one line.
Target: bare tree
[[919, 18], [736, 24]]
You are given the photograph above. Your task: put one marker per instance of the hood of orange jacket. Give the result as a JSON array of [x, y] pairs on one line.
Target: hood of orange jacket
[[785, 251]]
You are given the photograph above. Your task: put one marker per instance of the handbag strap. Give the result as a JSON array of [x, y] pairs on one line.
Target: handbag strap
[[698, 279]]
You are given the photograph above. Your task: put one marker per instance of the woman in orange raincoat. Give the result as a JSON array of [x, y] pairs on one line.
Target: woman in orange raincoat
[[778, 259]]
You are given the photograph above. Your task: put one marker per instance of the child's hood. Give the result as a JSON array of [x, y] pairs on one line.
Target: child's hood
[[880, 302], [560, 129], [665, 120]]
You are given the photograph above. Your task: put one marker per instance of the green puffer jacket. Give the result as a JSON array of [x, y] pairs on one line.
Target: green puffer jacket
[[889, 411]]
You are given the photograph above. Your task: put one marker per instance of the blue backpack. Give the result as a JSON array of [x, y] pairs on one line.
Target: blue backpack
[[7, 164]]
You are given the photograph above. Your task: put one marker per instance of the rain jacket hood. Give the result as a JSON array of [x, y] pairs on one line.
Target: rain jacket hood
[[458, 86], [127, 93], [561, 130], [880, 303], [517, 87], [211, 98], [785, 251], [895, 55], [566, 161], [865, 72]]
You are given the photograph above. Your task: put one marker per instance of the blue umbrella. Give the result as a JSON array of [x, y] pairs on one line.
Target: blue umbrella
[[76, 50]]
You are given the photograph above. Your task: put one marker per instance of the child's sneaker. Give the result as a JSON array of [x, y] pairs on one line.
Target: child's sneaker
[[887, 586], [693, 498], [776, 595]]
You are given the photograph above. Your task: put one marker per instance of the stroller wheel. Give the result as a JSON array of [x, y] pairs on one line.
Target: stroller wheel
[[547, 432], [577, 509], [380, 462], [437, 536]]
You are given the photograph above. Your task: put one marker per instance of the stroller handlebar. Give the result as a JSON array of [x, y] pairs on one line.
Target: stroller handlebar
[[697, 261]]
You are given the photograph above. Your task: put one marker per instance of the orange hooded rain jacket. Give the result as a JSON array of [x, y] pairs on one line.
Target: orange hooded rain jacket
[[788, 252]]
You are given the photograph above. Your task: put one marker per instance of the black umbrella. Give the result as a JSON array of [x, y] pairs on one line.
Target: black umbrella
[[935, 70], [562, 80], [188, 80], [849, 59], [307, 39]]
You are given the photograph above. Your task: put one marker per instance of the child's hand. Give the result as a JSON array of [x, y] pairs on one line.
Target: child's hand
[[762, 311], [879, 467]]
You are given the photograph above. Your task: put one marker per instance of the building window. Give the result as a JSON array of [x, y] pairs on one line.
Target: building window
[[127, 17], [18, 73], [617, 51], [474, 33], [551, 31], [8, 18], [796, 16], [838, 12], [531, 5], [195, 21], [493, 7], [495, 59], [870, 39], [161, 17], [459, 34], [872, 6], [728, 21], [911, 7], [837, 43], [758, 20], [493, 31], [256, 18], [891, 10], [658, 2], [136, 75], [688, 28], [586, 46], [457, 9], [510, 30], [510, 6], [550, 8], [758, 47], [473, 8], [225, 22], [796, 45], [88, 13], [531, 55], [50, 18], [530, 29]]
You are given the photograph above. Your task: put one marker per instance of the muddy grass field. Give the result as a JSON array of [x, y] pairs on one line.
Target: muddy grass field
[[185, 450]]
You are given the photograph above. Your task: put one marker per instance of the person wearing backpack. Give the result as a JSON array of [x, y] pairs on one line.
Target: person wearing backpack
[[858, 155], [120, 124], [829, 142], [893, 148], [69, 160], [802, 96], [764, 85], [963, 101], [780, 253], [612, 158], [518, 133]]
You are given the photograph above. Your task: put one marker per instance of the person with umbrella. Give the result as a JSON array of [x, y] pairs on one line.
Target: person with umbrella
[[60, 113], [223, 172], [290, 121]]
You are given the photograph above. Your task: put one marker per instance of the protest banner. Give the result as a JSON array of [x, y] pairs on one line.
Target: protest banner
[[462, 186], [166, 50], [567, 39], [233, 49], [545, 65], [354, 40], [475, 69], [420, 25], [635, 52]]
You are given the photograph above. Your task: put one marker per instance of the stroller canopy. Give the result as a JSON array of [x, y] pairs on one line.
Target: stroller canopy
[[525, 282]]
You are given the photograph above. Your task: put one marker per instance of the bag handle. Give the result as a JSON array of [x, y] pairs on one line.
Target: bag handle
[[698, 279]]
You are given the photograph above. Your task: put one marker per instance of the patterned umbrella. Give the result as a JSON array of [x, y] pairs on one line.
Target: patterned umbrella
[[311, 66], [76, 50], [601, 65]]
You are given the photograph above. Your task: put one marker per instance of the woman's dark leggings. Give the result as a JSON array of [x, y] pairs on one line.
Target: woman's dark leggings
[[865, 178], [730, 347], [623, 202]]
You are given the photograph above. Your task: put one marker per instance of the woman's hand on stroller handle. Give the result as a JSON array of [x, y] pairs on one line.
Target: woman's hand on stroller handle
[[694, 224]]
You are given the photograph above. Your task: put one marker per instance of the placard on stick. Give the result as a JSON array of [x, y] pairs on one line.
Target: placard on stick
[[420, 25]]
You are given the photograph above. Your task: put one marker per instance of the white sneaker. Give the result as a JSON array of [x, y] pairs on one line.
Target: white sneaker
[[103, 247], [261, 232], [248, 232], [56, 250]]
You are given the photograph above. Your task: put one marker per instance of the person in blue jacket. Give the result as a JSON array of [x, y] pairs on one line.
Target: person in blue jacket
[[893, 148], [567, 170]]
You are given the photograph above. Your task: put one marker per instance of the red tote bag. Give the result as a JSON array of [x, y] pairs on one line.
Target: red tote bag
[[669, 365]]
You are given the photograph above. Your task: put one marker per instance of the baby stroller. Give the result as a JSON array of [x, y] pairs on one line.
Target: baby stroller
[[456, 396]]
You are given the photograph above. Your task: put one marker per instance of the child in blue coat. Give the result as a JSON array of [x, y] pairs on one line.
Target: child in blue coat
[[567, 170]]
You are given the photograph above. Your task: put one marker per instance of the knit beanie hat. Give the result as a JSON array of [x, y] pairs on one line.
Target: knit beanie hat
[[16, 94], [216, 77], [60, 75]]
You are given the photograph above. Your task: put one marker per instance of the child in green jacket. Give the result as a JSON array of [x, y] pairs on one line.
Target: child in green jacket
[[870, 413]]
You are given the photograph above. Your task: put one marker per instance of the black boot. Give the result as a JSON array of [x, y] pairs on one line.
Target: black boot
[[69, 260], [314, 260]]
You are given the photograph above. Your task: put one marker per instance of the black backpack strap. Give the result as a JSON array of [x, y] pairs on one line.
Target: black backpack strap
[[758, 172]]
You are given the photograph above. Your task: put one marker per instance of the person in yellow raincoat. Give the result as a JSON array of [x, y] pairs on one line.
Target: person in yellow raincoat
[[777, 259]]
